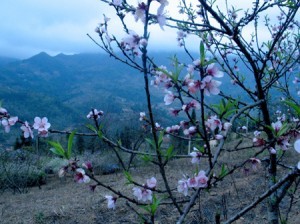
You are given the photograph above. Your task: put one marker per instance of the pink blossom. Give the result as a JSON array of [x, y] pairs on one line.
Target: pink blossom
[[210, 86], [182, 187], [95, 114], [142, 116], [87, 165], [199, 181], [219, 137], [42, 125], [184, 124], [213, 71], [140, 12], [297, 145], [197, 62], [257, 133], [7, 123], [213, 123], [62, 171], [195, 104], [258, 141], [272, 150], [227, 125], [174, 112], [192, 182], [172, 129], [190, 131], [277, 126], [131, 42], [111, 201], [3, 111], [80, 176], [194, 86], [143, 42], [169, 98], [142, 194], [202, 179], [296, 80], [190, 69], [196, 155], [255, 163], [160, 16], [283, 143], [151, 183], [27, 132], [117, 2]]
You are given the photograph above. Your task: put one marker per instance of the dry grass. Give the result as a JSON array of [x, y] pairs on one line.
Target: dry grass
[[63, 201]]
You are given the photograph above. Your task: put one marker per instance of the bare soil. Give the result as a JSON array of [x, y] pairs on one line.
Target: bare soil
[[61, 201]]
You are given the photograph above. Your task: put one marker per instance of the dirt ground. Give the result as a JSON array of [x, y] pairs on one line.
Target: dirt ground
[[61, 201]]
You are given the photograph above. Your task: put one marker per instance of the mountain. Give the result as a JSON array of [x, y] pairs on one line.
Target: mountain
[[65, 88], [6, 60]]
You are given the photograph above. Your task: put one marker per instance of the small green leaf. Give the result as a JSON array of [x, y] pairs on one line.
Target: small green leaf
[[202, 53], [160, 138], [57, 152], [128, 177], [170, 152], [57, 148], [294, 106], [151, 142], [283, 129], [91, 127], [223, 172], [70, 144]]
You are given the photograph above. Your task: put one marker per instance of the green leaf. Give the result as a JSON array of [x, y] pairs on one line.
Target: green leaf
[[283, 129], [155, 204], [151, 142], [91, 127], [146, 158], [57, 148], [57, 152], [202, 53], [100, 134], [223, 172], [294, 106], [70, 144], [170, 152], [160, 138], [128, 177]]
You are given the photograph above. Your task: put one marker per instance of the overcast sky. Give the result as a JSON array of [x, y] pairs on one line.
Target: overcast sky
[[31, 26], [54, 26]]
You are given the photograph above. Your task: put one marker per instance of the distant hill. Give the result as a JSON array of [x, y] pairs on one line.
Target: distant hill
[[6, 60], [65, 87]]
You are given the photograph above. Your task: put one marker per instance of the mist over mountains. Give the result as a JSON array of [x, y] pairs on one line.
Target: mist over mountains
[[64, 88]]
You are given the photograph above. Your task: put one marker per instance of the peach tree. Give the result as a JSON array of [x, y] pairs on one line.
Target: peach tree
[[241, 59]]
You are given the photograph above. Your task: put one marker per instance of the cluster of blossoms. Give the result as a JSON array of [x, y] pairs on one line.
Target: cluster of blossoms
[[196, 155], [143, 193], [140, 12], [251, 165], [79, 173], [132, 42], [40, 124], [102, 30], [95, 114], [208, 84], [197, 181]]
